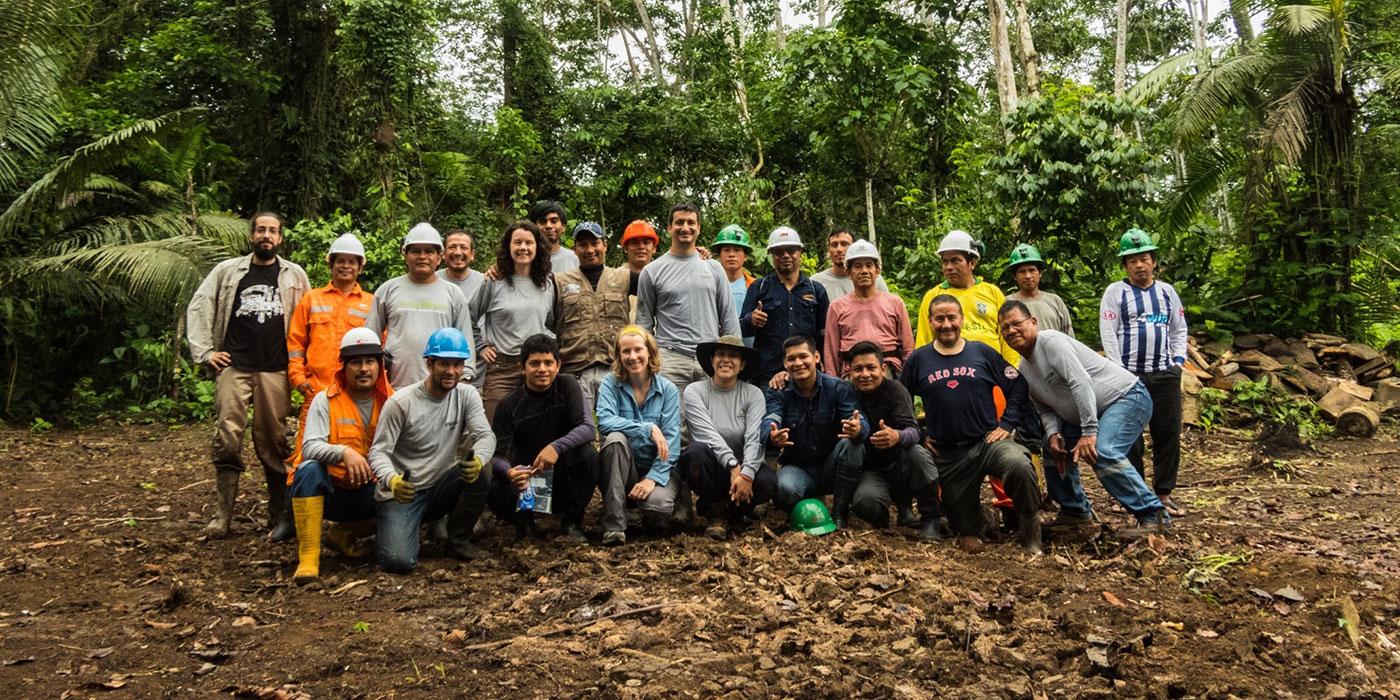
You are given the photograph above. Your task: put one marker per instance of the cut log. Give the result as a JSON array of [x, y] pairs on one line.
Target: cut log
[[1228, 382], [1361, 352], [1360, 392], [1375, 369], [1195, 356], [1336, 401], [1215, 349], [1323, 340], [1332, 354], [1256, 359], [1387, 391], [1198, 371], [1302, 354], [1343, 369], [1360, 421], [1307, 380], [1278, 348], [1226, 369], [1252, 341]]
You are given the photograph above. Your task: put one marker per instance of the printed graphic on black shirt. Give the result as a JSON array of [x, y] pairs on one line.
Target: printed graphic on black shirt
[[256, 335]]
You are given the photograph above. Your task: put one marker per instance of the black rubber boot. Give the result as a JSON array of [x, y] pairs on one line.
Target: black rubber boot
[[844, 490], [281, 526], [930, 529], [460, 523]]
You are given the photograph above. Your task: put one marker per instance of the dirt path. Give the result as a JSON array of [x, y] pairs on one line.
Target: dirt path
[[106, 590]]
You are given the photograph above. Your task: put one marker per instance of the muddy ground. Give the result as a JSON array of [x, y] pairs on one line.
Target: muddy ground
[[1281, 582]]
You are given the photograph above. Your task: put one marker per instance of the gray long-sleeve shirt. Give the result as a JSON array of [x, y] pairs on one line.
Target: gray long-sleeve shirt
[[315, 435], [420, 435], [507, 314], [406, 313], [1070, 382], [685, 301], [729, 422]]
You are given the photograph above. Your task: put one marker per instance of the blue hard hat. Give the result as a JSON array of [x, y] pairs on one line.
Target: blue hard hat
[[448, 343]]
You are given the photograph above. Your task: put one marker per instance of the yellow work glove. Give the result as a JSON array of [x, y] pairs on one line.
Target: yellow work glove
[[471, 469], [402, 488]]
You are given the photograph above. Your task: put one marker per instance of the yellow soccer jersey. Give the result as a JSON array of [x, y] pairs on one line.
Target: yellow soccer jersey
[[979, 306]]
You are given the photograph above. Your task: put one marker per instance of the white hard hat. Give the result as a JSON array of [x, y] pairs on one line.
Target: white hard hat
[[862, 249], [360, 341], [422, 234], [955, 242], [347, 244], [784, 237]]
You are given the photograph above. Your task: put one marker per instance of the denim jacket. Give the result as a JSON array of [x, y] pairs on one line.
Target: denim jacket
[[814, 424], [618, 412], [797, 311]]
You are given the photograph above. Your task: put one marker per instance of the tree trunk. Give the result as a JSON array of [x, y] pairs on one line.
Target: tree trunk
[[1239, 14], [1030, 60], [1001, 56], [780, 33], [1120, 51], [870, 210], [652, 49], [821, 14]]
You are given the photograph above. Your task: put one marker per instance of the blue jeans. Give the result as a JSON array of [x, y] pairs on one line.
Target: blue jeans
[[397, 537], [799, 481], [342, 505], [1120, 425]]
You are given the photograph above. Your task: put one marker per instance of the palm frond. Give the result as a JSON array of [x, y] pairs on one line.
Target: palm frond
[[73, 171], [159, 272], [1216, 89], [1300, 19], [1206, 167], [38, 39], [1285, 129], [1156, 80]]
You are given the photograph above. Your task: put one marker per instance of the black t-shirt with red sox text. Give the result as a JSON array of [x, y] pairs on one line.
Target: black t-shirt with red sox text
[[957, 392]]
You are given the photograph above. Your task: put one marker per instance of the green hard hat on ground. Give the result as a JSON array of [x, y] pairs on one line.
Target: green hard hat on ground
[[1023, 254], [733, 235], [812, 517], [1135, 241]]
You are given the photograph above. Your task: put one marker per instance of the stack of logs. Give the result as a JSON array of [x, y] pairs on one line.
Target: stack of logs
[[1351, 383]]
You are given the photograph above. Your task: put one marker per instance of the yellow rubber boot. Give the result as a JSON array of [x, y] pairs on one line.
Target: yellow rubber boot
[[307, 512]]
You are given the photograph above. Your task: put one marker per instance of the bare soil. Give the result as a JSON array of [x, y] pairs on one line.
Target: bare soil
[[1281, 581]]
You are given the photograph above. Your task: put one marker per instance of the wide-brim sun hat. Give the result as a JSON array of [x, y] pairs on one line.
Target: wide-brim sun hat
[[705, 355]]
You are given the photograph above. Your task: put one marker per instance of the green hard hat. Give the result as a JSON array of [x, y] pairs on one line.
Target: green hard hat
[[1023, 254], [733, 235], [812, 517], [1134, 241]]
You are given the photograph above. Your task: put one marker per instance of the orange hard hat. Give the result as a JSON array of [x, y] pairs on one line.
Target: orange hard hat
[[639, 229]]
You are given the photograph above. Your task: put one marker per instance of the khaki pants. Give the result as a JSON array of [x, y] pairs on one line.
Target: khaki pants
[[502, 377], [270, 395]]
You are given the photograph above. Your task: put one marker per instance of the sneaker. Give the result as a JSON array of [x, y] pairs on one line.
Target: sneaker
[[1065, 518], [614, 538]]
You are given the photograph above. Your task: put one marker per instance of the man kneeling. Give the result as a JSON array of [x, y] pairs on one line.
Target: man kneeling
[[332, 479], [544, 426], [897, 467], [418, 456]]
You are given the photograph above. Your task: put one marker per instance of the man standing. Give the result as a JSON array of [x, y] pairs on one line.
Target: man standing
[[1143, 327], [1049, 310], [867, 315], [459, 253], [955, 377], [550, 217], [896, 468], [836, 279], [1093, 411], [541, 426], [980, 300], [783, 304], [409, 308], [237, 324], [420, 460], [684, 299], [732, 248], [331, 477], [815, 420], [322, 318], [591, 306], [639, 242]]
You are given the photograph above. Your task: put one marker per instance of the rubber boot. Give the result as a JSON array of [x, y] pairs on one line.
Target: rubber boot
[[1028, 534], [905, 514], [226, 493], [279, 508], [460, 523], [681, 515], [307, 512], [844, 490], [930, 529]]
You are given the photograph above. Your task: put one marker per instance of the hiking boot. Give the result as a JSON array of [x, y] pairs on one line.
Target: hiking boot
[[462, 549], [574, 534], [971, 544], [226, 493], [680, 514], [717, 529], [905, 515], [1066, 519], [1151, 526], [614, 538]]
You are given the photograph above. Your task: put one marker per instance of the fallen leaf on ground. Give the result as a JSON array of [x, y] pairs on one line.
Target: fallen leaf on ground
[[1290, 593], [1207, 634], [1113, 600]]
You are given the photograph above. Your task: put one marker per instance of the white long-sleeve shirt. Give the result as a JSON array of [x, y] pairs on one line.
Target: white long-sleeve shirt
[[1143, 329]]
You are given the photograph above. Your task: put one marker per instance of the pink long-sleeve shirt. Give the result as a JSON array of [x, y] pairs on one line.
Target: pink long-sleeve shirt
[[882, 319]]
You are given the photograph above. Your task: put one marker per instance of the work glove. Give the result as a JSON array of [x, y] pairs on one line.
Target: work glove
[[471, 469], [402, 488]]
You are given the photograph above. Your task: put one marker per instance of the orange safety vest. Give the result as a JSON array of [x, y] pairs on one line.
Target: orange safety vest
[[313, 335], [347, 427]]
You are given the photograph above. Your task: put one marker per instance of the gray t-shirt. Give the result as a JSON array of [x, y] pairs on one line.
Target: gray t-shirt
[[728, 422], [837, 287], [563, 260], [1049, 311], [685, 301], [468, 284], [1069, 382], [420, 435], [507, 314], [406, 313]]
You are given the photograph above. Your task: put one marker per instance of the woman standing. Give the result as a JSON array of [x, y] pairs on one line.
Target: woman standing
[[639, 416], [510, 309]]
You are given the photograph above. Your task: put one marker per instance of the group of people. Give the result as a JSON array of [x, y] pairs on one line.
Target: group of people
[[679, 382]]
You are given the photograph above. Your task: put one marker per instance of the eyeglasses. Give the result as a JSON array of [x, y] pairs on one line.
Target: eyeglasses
[[1012, 324], [777, 252]]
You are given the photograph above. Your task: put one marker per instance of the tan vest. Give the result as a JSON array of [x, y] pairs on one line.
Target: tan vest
[[589, 319]]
